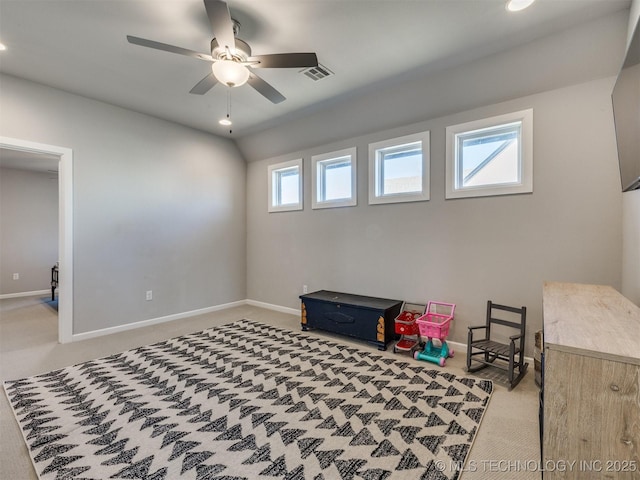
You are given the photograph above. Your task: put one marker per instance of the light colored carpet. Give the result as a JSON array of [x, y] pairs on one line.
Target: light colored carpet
[[249, 400], [506, 446]]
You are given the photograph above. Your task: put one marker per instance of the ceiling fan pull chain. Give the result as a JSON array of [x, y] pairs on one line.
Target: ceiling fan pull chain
[[229, 107]]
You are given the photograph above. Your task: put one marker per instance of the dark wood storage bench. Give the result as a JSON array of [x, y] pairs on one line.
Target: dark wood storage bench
[[364, 318]]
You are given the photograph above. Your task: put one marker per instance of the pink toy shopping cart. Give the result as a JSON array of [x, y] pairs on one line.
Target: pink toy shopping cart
[[434, 325]]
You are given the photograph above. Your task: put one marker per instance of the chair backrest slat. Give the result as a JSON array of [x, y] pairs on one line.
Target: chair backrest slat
[[508, 309], [495, 306], [506, 323]]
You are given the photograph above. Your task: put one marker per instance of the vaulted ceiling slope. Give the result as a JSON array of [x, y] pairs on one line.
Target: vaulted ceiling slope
[[589, 51], [80, 46]]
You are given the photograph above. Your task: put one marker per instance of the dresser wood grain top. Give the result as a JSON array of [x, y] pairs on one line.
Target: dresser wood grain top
[[593, 320]]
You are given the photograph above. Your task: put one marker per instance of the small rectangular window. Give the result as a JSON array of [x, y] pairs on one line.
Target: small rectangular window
[[285, 186], [399, 169], [489, 156], [334, 179], [492, 156]]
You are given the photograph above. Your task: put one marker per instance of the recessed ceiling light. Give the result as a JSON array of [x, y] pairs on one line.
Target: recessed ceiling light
[[517, 5], [225, 121], [2, 47]]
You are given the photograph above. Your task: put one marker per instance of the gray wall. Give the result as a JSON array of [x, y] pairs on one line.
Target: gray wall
[[631, 214], [631, 246], [157, 206], [463, 251], [469, 250], [28, 229]]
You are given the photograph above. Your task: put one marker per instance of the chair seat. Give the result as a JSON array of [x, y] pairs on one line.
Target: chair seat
[[487, 351], [493, 347]]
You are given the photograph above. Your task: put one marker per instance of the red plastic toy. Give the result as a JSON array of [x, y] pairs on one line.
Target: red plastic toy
[[407, 328]]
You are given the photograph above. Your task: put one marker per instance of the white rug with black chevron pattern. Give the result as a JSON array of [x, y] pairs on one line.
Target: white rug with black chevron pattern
[[249, 401]]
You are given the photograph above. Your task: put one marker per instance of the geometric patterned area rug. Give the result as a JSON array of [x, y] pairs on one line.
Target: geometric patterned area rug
[[249, 401]]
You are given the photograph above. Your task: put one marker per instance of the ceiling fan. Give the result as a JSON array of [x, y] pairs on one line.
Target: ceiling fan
[[231, 61]]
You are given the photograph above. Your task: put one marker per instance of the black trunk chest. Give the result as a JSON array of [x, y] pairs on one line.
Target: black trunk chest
[[365, 318]]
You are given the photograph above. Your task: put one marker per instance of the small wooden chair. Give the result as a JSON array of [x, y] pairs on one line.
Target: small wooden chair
[[490, 350], [54, 281]]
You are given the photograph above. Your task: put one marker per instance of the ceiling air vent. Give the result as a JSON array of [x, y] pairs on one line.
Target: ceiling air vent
[[317, 73]]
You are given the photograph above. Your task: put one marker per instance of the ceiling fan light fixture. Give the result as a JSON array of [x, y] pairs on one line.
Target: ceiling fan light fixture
[[517, 5], [230, 72]]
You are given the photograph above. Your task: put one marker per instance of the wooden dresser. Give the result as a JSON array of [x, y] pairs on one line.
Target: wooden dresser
[[591, 383]]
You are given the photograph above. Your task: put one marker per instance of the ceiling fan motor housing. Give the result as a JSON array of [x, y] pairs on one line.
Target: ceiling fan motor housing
[[231, 60], [241, 53]]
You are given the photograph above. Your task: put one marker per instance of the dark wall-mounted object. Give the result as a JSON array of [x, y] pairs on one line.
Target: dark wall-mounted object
[[626, 113]]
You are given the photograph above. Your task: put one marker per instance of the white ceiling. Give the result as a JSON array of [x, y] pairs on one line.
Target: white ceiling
[[80, 46], [20, 160]]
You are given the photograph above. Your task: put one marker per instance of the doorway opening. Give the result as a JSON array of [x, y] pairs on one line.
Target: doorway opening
[[65, 226]]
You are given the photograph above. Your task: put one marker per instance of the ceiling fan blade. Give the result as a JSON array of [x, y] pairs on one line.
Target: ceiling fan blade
[[264, 88], [143, 42], [221, 23], [284, 60], [204, 85]]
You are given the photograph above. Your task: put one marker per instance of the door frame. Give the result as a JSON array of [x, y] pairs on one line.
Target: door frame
[[65, 227]]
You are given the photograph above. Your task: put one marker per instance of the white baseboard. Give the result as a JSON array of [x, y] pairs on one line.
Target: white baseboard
[[458, 347], [177, 316], [154, 321], [461, 348], [270, 306], [25, 294]]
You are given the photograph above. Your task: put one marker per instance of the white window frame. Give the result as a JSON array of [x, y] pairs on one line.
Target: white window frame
[[316, 179], [376, 177], [273, 169], [525, 183]]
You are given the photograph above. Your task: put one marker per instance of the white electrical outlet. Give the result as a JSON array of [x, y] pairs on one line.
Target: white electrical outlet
[[149, 294], [16, 276], [305, 289]]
